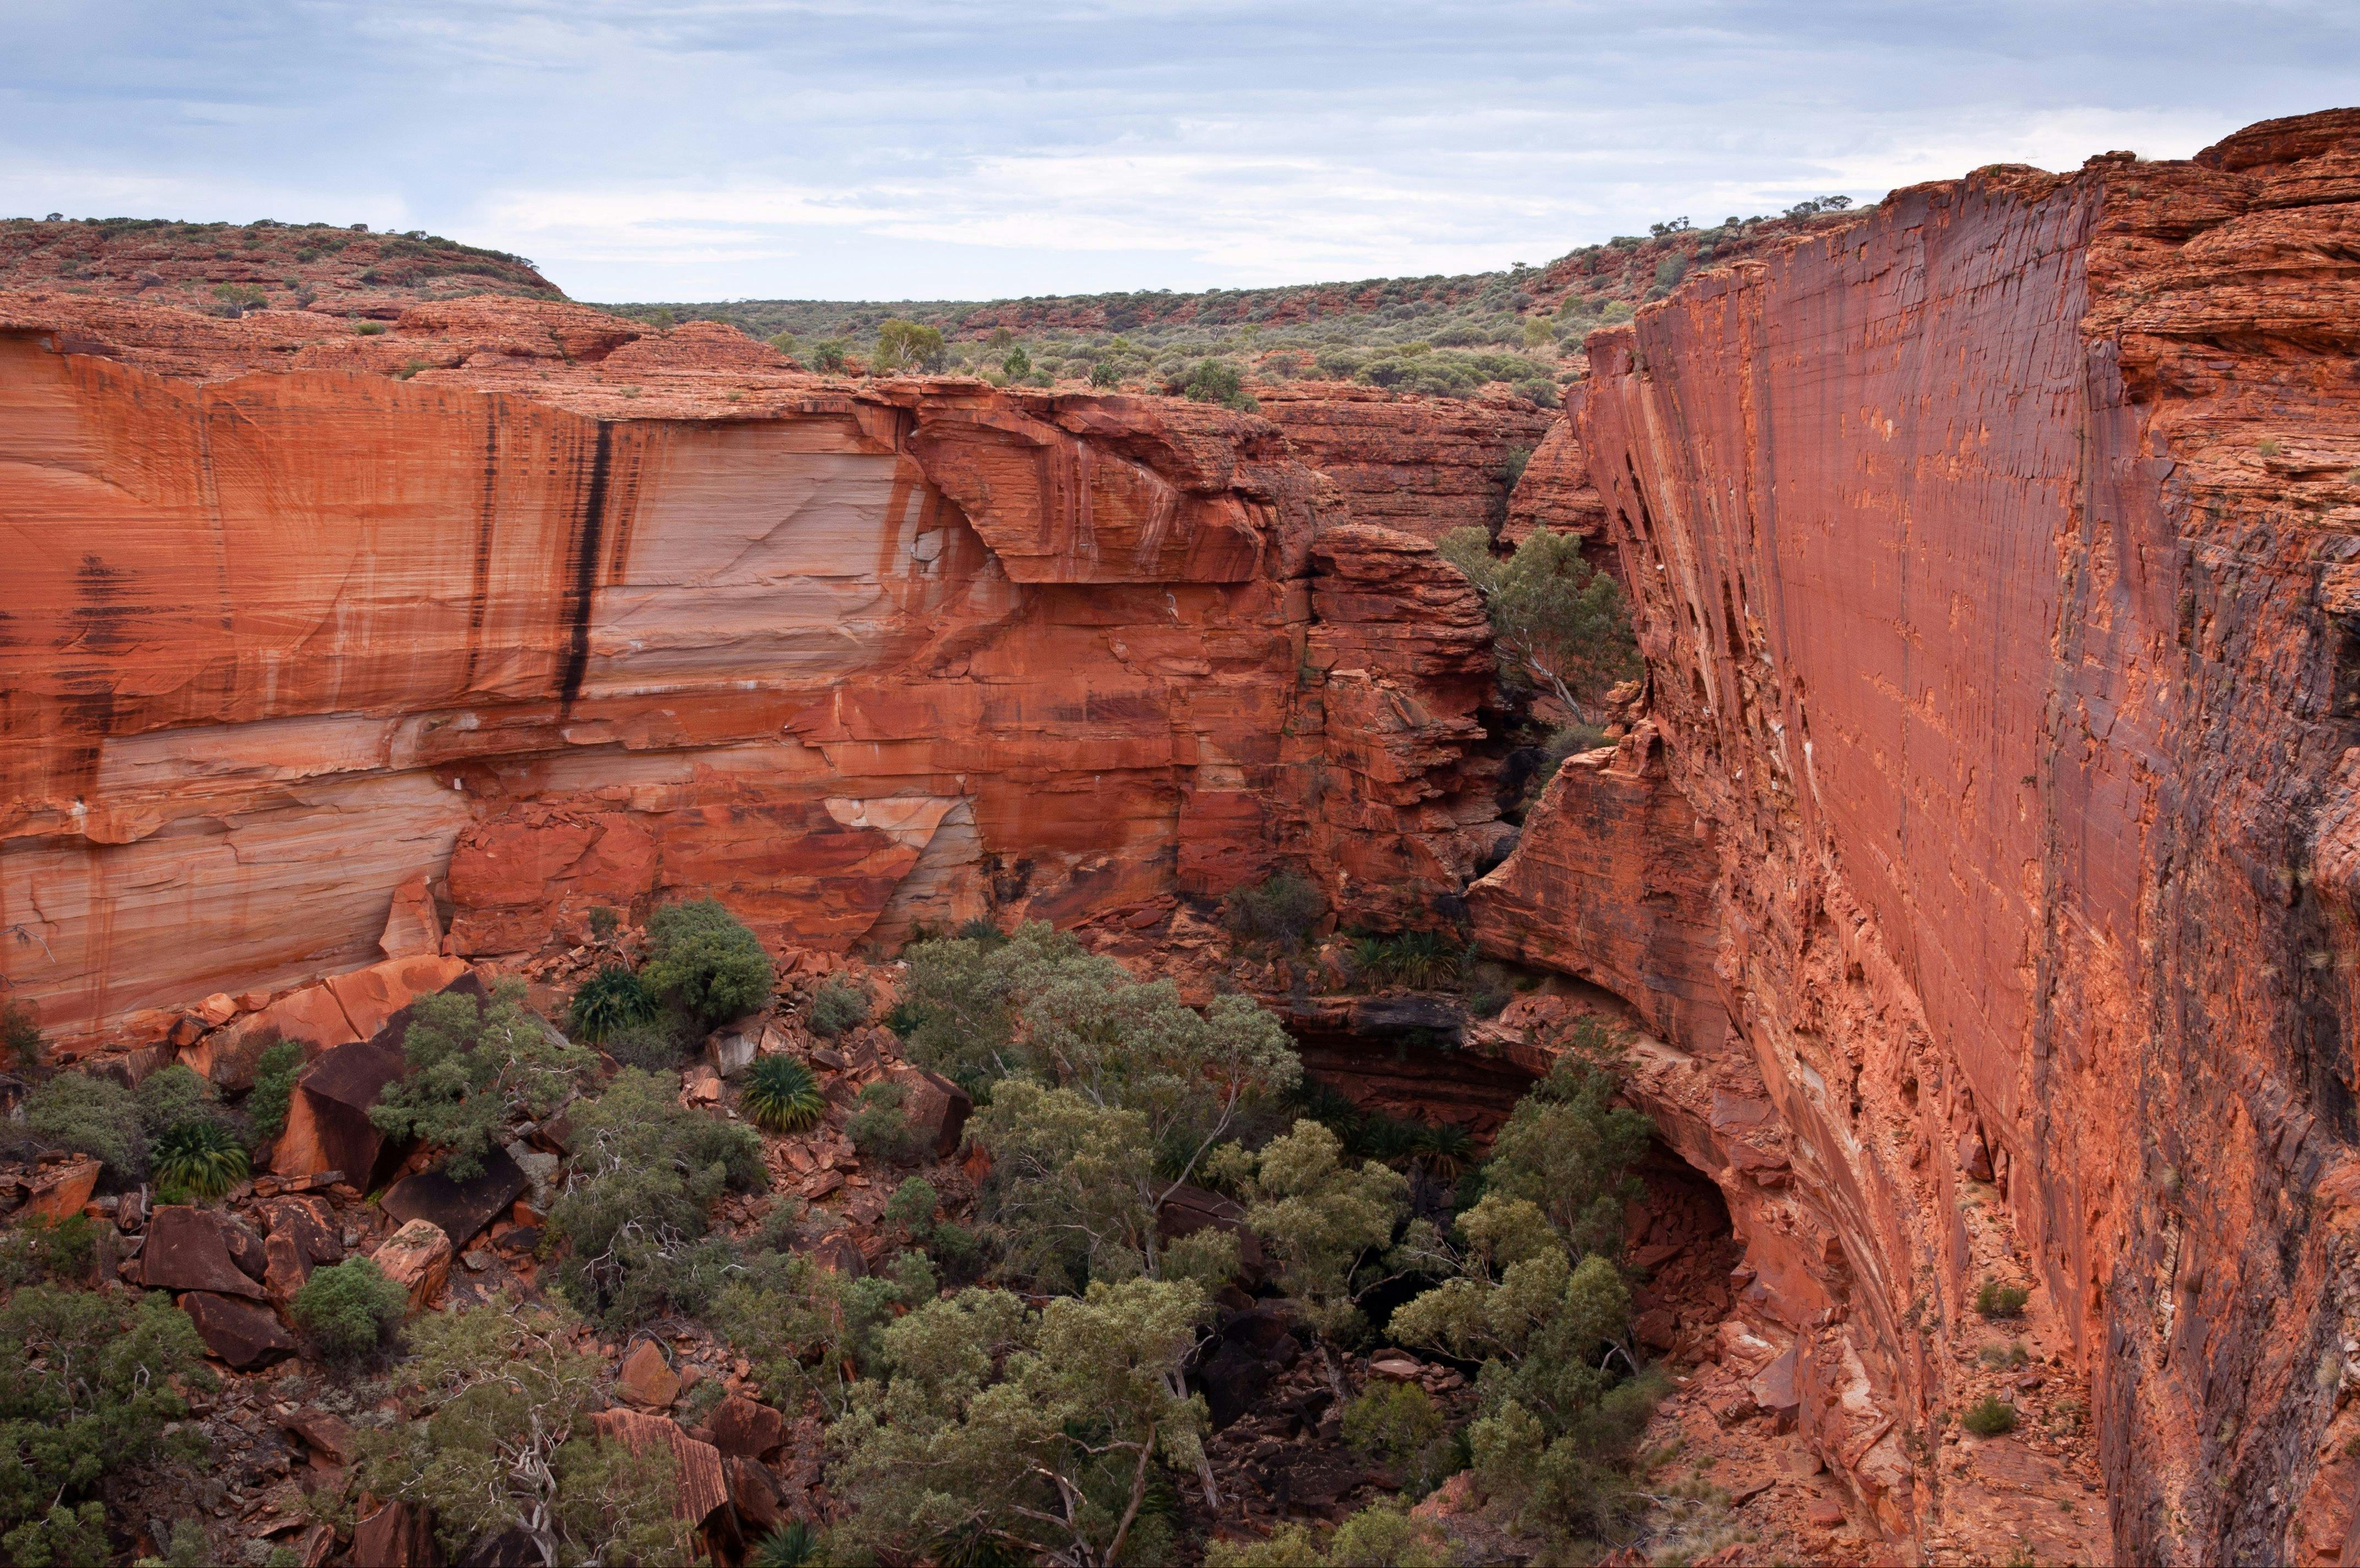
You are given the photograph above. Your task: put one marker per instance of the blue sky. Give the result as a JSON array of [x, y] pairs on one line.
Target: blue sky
[[906, 148]]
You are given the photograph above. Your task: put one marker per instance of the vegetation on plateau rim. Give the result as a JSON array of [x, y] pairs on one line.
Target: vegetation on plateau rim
[[1440, 336]]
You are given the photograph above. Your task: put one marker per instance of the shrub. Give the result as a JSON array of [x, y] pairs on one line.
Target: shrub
[[94, 1379], [38, 1248], [1484, 988], [174, 1094], [702, 958], [609, 1000], [879, 1130], [1018, 365], [907, 346], [369, 329], [794, 1546], [603, 922], [274, 1087], [197, 1159], [1420, 960], [1215, 381], [1280, 909], [839, 1006], [91, 1116], [475, 1067], [1384, 1533], [1103, 373], [655, 1045], [504, 1442], [1288, 1546], [782, 1096], [20, 1037], [1994, 1299], [829, 355], [411, 368], [1391, 1420], [349, 1307], [645, 1172], [1989, 1417]]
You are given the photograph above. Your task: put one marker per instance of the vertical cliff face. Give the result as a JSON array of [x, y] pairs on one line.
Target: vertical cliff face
[[581, 621], [1993, 562]]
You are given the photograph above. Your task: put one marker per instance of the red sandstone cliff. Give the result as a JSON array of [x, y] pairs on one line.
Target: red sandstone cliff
[[1993, 562], [558, 616]]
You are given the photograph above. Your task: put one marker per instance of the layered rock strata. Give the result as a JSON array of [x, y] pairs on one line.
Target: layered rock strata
[[1995, 561], [302, 657]]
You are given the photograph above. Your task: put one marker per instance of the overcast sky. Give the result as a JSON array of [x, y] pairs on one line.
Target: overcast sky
[[906, 148]]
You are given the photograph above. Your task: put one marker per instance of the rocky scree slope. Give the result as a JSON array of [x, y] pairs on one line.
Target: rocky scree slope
[[1994, 564]]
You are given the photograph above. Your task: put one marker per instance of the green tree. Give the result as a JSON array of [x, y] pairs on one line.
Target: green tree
[[89, 1389], [908, 346], [275, 1072], [1535, 1295], [1329, 1225], [634, 1216], [1569, 1149], [1018, 365], [499, 1436], [90, 1115], [807, 1329], [829, 355], [1215, 381], [1033, 1432], [171, 1095], [1037, 1005], [349, 1307], [1555, 617], [703, 958], [479, 1068]]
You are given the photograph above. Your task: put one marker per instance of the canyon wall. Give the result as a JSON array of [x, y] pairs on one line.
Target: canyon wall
[[554, 613], [1995, 561]]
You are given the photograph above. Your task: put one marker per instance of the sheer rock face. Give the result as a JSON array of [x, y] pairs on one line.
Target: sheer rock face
[[568, 615], [1995, 559], [1424, 466]]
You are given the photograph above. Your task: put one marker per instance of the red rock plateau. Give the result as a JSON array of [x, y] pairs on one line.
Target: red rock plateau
[[532, 610], [1987, 869]]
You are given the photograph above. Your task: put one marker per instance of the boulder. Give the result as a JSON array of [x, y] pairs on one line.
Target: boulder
[[240, 1331], [325, 1435], [754, 1493], [244, 1248], [1773, 1391], [460, 1209], [187, 1250], [540, 1168], [646, 1378], [287, 1270], [743, 1428], [399, 1535], [701, 1086], [328, 1127], [703, 1487], [730, 1051], [60, 1192], [413, 926], [1396, 1369], [937, 1109], [308, 1223], [418, 1257], [371, 996], [217, 1009]]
